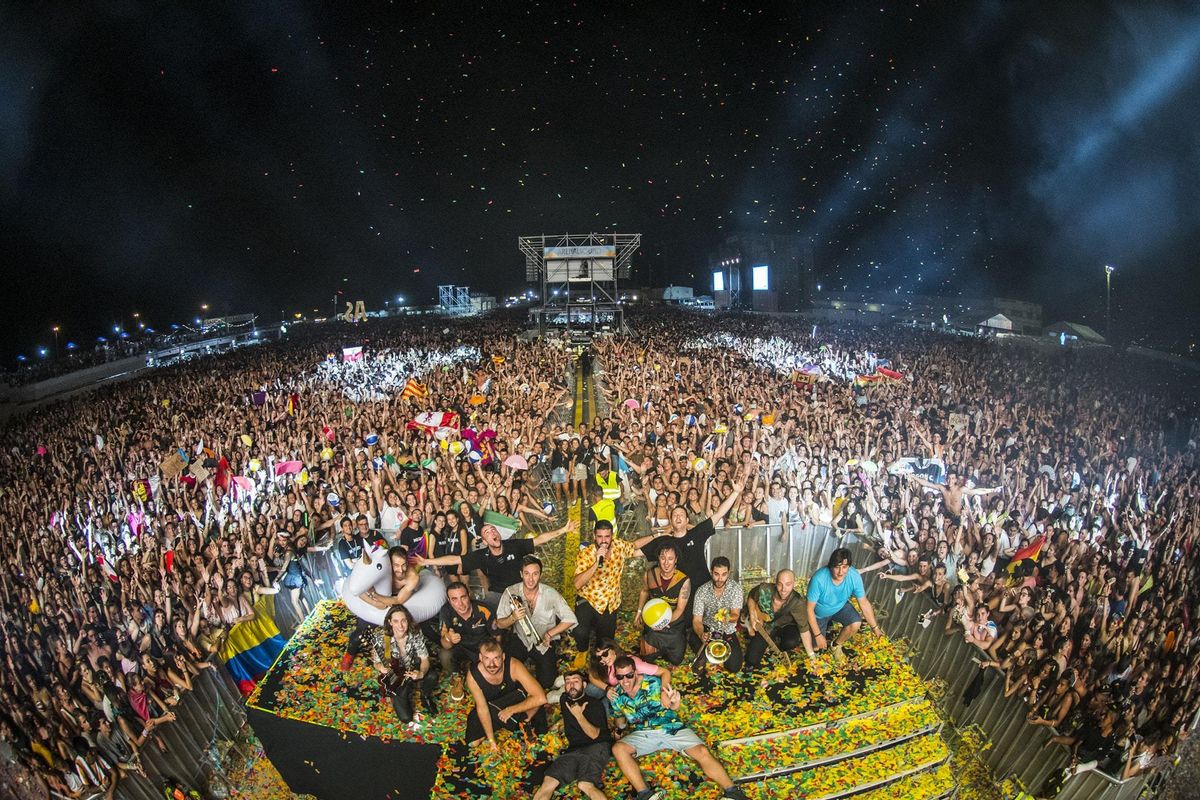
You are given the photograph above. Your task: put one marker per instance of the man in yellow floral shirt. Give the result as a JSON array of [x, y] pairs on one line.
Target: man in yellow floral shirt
[[598, 583]]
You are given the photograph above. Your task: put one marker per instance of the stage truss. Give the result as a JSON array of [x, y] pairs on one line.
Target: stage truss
[[455, 300], [578, 274]]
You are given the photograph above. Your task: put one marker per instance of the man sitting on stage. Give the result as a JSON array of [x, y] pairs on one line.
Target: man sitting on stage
[[505, 694], [537, 615], [464, 625], [829, 593], [589, 743], [717, 608], [775, 610], [651, 709]]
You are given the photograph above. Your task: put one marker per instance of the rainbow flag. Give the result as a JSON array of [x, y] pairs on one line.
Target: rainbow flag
[[252, 647]]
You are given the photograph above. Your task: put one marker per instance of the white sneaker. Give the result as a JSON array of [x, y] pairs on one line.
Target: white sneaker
[[899, 595], [924, 621]]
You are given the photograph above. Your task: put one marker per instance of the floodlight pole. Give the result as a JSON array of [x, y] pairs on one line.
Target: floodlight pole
[[1108, 271]]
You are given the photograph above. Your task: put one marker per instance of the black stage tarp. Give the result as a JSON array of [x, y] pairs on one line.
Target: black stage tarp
[[332, 765]]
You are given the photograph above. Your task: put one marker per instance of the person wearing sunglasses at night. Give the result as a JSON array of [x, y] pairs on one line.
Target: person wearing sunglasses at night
[[652, 712]]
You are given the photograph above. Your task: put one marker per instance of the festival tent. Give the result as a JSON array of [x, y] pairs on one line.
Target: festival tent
[[1073, 331]]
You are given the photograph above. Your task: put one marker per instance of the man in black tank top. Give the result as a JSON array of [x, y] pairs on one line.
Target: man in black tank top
[[506, 695]]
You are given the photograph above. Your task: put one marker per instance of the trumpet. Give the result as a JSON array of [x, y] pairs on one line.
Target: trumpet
[[525, 624]]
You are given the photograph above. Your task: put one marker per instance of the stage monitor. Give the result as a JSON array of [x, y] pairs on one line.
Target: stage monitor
[[759, 278], [580, 264], [718, 284]]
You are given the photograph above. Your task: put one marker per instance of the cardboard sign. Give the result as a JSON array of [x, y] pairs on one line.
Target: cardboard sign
[[172, 465], [959, 422]]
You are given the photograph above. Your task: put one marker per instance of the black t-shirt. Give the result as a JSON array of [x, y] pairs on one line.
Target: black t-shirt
[[593, 712], [691, 551], [350, 550], [411, 538], [472, 630], [502, 570]]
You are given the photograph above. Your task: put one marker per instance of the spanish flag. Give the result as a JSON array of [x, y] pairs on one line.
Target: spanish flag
[[413, 389], [252, 647]]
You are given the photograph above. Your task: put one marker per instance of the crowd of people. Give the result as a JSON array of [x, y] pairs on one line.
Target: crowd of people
[[1045, 501]]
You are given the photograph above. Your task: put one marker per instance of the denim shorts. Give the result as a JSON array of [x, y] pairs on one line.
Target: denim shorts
[[846, 616]]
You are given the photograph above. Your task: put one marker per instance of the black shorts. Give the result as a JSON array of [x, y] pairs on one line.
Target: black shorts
[[585, 764]]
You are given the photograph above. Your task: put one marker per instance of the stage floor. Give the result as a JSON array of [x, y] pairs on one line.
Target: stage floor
[[864, 726]]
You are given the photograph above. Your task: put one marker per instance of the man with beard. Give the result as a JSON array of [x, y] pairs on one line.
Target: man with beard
[[717, 609], [499, 559], [776, 611], [505, 694], [666, 582], [589, 743]]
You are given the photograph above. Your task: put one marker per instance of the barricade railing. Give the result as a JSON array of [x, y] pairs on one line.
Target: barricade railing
[[1018, 749]]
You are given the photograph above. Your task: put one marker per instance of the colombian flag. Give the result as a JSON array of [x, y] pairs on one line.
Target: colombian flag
[[252, 647]]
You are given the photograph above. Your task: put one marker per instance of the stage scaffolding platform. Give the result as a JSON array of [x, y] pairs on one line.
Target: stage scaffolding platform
[[578, 274]]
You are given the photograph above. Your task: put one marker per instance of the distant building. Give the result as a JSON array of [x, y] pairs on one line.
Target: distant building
[[1015, 316], [1073, 331], [761, 272]]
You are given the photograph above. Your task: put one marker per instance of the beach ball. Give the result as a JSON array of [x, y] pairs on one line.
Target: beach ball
[[327, 454], [720, 427], [476, 400], [430, 465], [333, 499], [690, 420], [444, 444], [255, 465], [548, 507], [657, 614], [699, 465], [371, 439], [246, 440], [737, 408], [474, 456], [302, 478], [456, 448]]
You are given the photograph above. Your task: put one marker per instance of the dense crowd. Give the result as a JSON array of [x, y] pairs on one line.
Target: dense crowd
[[1045, 501]]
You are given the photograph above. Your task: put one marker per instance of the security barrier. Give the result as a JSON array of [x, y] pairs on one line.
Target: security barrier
[[1018, 750]]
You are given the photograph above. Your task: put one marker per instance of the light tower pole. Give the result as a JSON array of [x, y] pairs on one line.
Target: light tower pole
[[1108, 271]]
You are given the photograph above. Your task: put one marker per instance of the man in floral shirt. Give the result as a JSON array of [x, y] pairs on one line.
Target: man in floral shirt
[[717, 608], [652, 712]]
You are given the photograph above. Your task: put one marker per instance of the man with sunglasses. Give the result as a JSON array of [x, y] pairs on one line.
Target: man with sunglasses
[[651, 709]]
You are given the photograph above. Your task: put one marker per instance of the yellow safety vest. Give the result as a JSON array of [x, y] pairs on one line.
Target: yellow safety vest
[[609, 488], [605, 509]]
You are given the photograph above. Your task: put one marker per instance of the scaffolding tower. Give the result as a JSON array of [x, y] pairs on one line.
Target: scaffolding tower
[[578, 274], [455, 300]]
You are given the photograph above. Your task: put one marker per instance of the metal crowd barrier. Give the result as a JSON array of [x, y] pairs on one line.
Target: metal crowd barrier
[[205, 717], [1017, 749]]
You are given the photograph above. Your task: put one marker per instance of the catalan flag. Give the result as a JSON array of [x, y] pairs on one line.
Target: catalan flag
[[293, 404], [413, 389]]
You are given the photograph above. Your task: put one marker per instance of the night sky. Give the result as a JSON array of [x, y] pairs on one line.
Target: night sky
[[260, 156]]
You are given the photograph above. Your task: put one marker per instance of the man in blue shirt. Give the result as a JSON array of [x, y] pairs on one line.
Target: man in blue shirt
[[829, 592]]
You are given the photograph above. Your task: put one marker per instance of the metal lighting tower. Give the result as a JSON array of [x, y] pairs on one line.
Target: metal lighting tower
[[1108, 271]]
